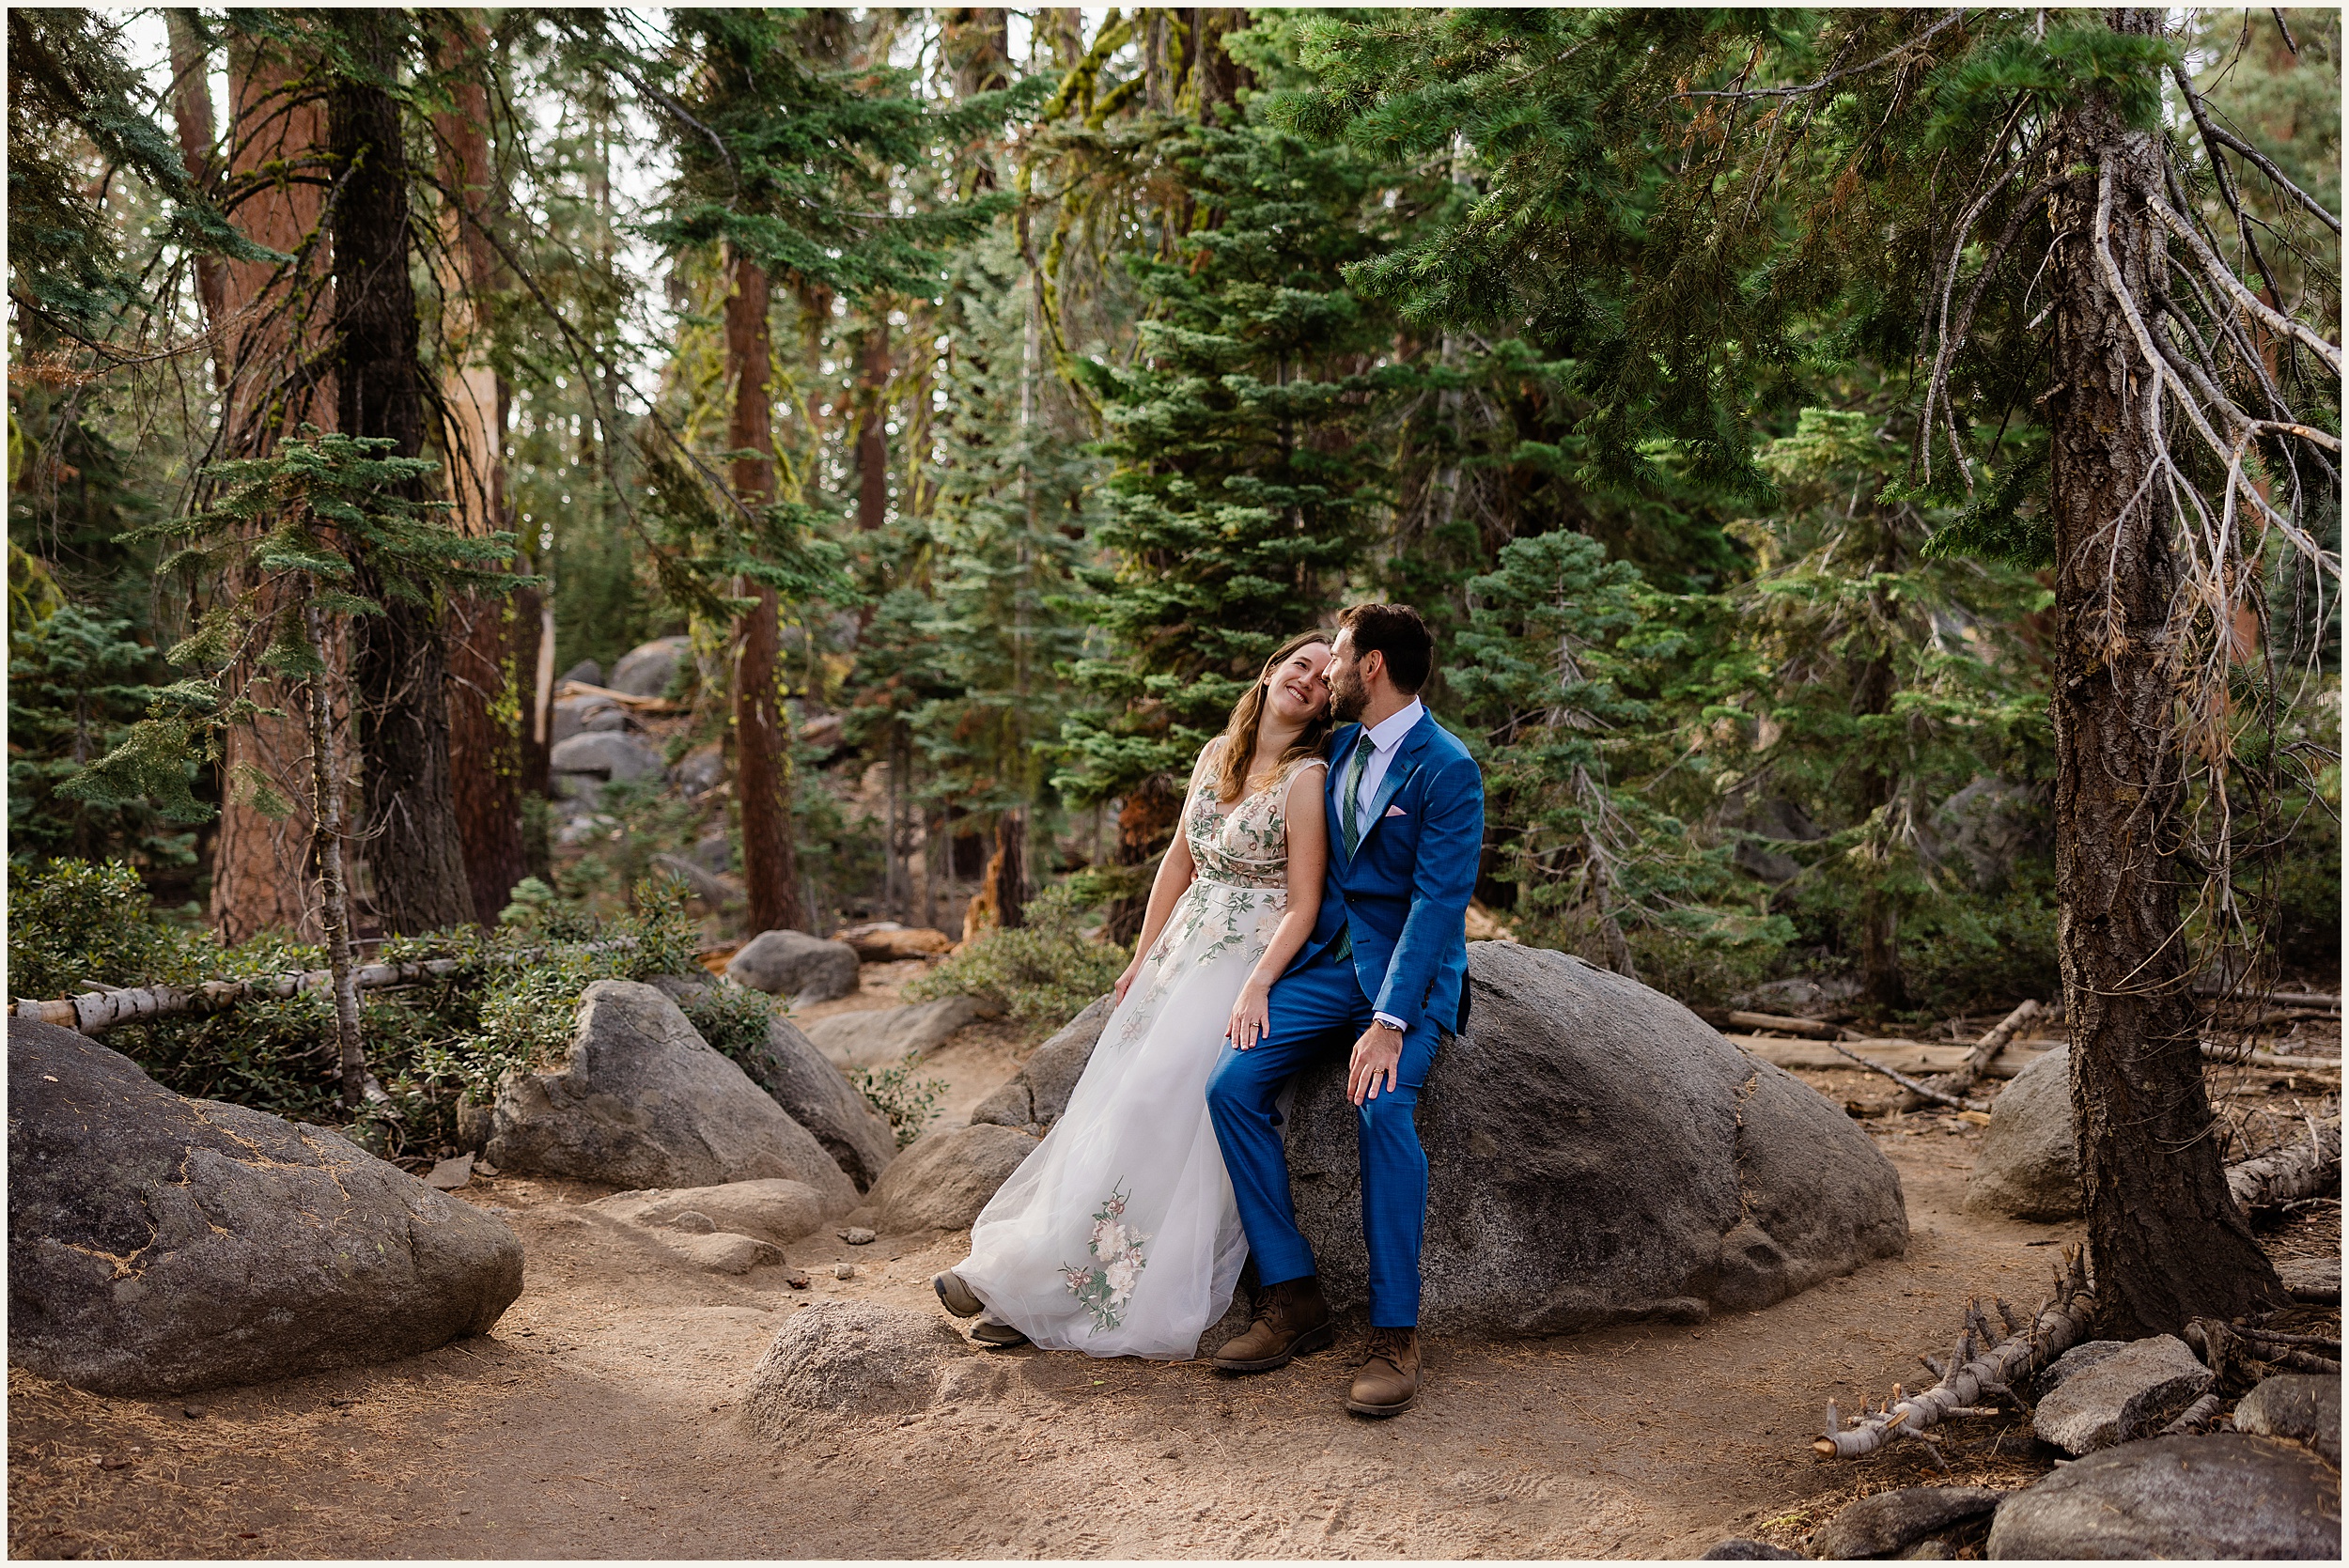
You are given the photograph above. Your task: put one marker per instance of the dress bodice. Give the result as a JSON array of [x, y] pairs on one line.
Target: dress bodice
[[1245, 844]]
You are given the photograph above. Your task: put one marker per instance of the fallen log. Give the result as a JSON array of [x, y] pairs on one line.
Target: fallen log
[[1810, 1028], [2195, 1417], [1986, 1051], [104, 1007], [1912, 1085], [2060, 1324], [2297, 1170], [2234, 1056], [1910, 1056]]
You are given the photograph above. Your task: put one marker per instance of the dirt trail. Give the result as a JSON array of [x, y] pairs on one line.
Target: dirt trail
[[601, 1420]]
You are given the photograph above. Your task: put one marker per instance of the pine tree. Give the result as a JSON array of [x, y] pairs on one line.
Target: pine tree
[[1682, 202], [1244, 482]]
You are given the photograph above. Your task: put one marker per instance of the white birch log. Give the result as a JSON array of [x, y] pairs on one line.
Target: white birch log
[[2054, 1329]]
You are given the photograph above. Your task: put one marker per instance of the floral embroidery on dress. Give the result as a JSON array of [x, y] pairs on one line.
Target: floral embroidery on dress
[[1117, 1263]]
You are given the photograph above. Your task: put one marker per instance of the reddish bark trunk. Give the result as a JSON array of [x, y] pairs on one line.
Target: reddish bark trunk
[[485, 720], [270, 355], [762, 761]]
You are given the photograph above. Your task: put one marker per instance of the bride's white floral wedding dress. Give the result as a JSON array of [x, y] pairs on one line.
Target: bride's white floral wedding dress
[[1119, 1236]]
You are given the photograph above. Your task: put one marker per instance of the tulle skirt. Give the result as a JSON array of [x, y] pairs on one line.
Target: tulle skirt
[[1119, 1234]]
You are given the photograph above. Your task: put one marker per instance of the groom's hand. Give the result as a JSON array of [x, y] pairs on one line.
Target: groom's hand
[[1376, 1056]]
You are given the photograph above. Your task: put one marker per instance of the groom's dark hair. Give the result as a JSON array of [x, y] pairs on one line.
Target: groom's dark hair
[[1395, 630]]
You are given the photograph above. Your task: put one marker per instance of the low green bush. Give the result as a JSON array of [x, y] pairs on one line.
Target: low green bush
[[908, 1103], [1042, 972]]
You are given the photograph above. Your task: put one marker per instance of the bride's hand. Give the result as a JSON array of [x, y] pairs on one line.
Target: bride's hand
[[1251, 1015], [1124, 981]]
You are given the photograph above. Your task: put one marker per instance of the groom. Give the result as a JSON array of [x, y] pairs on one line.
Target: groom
[[1385, 967]]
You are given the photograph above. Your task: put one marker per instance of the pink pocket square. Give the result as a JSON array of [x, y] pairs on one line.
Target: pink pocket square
[[1396, 811]]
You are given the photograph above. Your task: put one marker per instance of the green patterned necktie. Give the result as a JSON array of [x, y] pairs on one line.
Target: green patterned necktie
[[1350, 811]]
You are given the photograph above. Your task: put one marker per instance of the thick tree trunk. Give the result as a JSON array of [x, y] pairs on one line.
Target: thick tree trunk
[[192, 114], [762, 761], [272, 361], [872, 438], [484, 719], [399, 667], [2169, 1242]]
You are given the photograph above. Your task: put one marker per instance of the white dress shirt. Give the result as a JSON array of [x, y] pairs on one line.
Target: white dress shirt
[[1382, 738]]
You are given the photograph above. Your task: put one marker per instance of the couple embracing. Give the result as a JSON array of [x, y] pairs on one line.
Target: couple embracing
[[1313, 900]]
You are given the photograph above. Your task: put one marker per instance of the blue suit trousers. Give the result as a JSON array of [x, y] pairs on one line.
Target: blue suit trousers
[[1315, 1009]]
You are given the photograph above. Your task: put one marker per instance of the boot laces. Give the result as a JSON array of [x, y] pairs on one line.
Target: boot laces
[[1388, 1345]]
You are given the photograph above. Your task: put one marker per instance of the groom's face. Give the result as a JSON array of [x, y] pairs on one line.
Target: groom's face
[[1349, 697]]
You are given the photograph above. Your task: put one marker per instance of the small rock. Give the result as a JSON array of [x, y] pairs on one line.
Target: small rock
[[2073, 1361], [2029, 1166], [2220, 1496], [2135, 1390], [193, 1412], [848, 1357], [884, 1036], [794, 964], [586, 671], [797, 1279], [450, 1174], [774, 1209], [1039, 1091], [646, 670], [857, 1236], [2304, 1410], [843, 1271], [1886, 1522], [723, 1252], [604, 756], [942, 1181], [1739, 1548]]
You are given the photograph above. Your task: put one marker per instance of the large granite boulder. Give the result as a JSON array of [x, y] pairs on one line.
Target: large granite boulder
[[646, 670], [2220, 1496], [1596, 1153], [884, 1036], [158, 1244], [644, 1101], [2030, 1164], [942, 1181], [822, 1099], [1039, 1091], [793, 964], [838, 1359]]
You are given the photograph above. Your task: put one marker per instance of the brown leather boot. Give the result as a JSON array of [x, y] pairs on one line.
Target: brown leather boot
[[1291, 1319], [1388, 1385]]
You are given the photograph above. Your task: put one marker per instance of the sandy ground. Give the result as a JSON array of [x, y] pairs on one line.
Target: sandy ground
[[602, 1418]]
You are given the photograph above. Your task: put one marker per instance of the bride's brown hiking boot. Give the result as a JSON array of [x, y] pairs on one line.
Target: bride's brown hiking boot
[[1291, 1319], [1388, 1385]]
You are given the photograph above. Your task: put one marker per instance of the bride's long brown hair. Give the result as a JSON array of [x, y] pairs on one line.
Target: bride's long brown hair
[[1240, 736]]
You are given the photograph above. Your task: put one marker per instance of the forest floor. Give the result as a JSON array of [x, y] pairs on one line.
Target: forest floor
[[602, 1418]]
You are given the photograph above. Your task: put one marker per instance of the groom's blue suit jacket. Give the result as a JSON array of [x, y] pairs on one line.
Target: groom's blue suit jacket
[[1405, 890]]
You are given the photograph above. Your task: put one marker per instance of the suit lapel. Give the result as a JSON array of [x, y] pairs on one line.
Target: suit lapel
[[1399, 773]]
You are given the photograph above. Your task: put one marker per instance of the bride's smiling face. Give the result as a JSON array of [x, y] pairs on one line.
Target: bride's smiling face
[[1299, 690]]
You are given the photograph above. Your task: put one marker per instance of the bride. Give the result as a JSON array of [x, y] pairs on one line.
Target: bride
[[1119, 1234]]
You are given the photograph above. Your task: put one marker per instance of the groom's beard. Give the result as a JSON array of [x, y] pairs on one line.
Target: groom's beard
[[1349, 697]]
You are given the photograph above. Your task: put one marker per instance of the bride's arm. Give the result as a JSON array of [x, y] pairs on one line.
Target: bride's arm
[[1174, 874], [1308, 857]]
